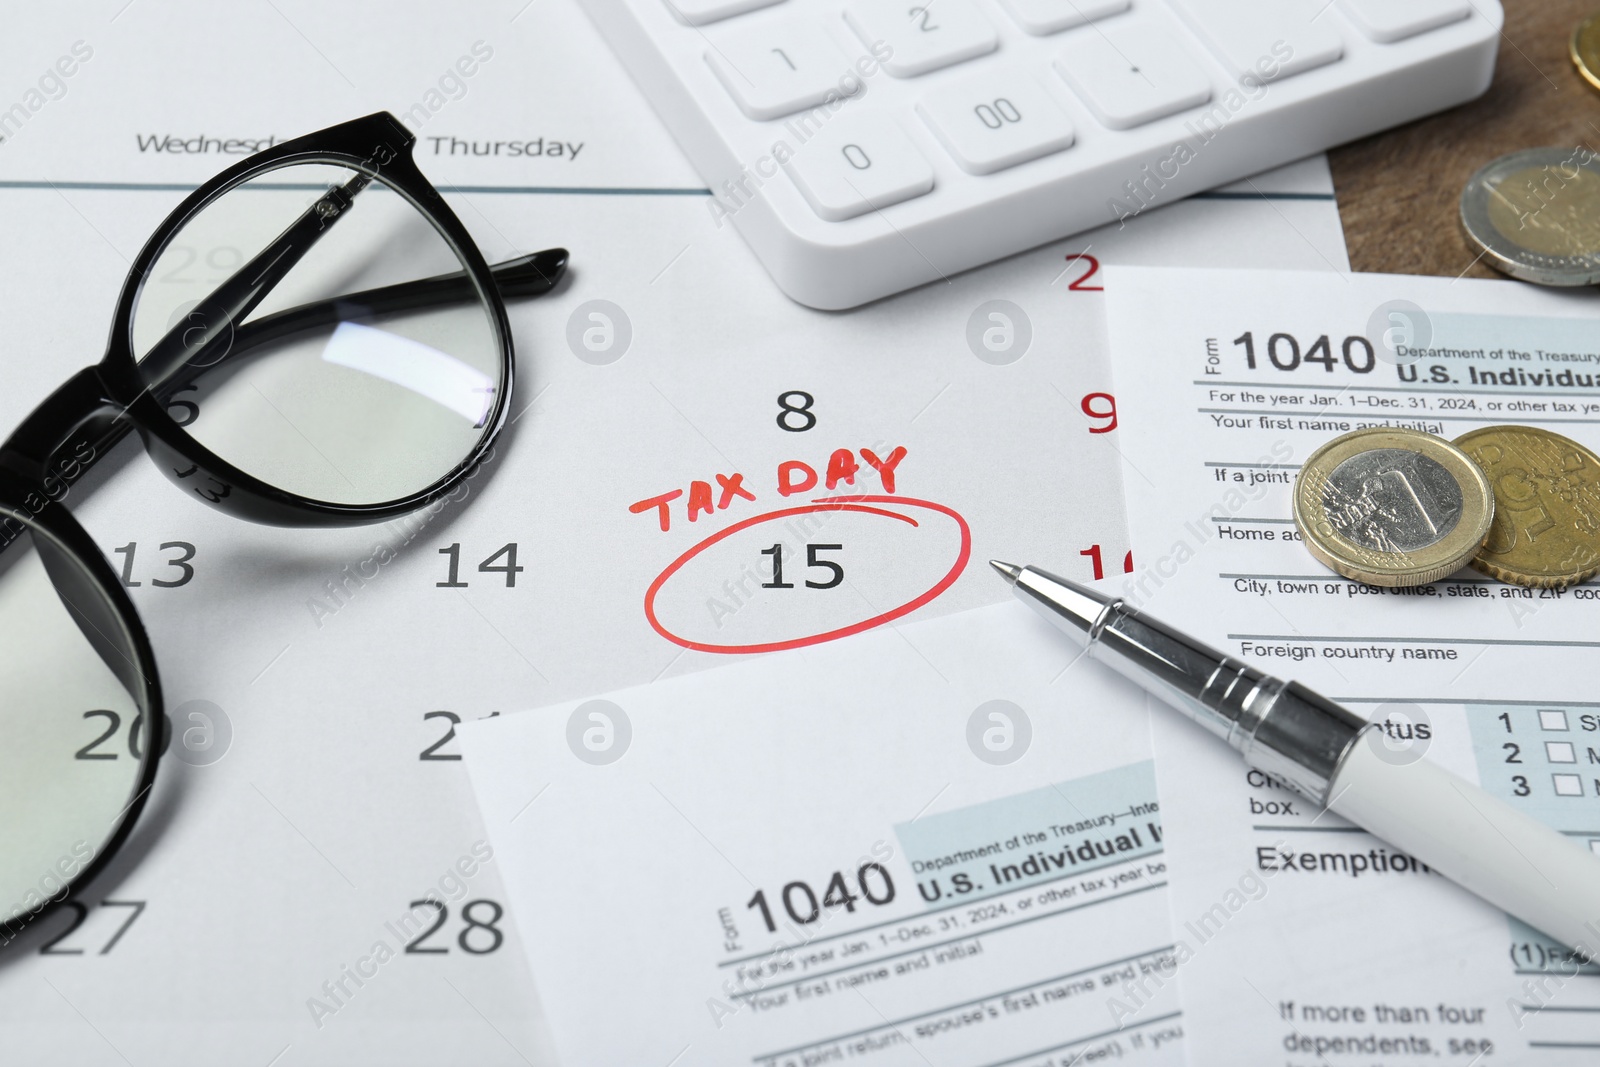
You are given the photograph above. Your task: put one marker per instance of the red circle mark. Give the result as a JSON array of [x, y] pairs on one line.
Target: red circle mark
[[838, 503]]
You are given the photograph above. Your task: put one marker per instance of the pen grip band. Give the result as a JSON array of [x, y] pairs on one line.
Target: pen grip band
[[1303, 738], [1279, 727]]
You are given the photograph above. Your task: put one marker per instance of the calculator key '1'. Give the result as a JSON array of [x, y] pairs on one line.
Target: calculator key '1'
[[781, 66]]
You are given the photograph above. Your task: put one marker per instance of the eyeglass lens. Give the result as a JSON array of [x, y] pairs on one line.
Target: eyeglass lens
[[364, 404], [71, 714]]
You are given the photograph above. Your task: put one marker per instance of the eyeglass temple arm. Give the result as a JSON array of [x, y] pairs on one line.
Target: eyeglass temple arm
[[526, 276], [213, 320], [39, 449]]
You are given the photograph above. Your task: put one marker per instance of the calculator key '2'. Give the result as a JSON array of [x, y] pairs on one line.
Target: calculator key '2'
[[923, 34]]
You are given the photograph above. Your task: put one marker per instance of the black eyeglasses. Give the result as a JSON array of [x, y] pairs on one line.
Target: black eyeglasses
[[310, 339]]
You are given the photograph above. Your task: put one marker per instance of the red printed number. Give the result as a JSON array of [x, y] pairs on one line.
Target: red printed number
[[1093, 552], [1080, 284], [1103, 407]]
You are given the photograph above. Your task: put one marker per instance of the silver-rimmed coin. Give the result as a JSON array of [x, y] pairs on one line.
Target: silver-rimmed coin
[[1392, 507], [1535, 215]]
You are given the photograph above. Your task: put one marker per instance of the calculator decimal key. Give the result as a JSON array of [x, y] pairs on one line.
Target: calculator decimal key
[[1132, 75], [858, 163], [996, 121], [924, 35]]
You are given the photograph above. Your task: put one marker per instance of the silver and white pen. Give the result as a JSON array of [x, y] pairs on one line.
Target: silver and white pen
[[1513, 861]]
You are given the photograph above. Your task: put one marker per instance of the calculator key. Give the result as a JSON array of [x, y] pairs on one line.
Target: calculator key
[[1132, 75], [923, 34], [996, 121], [856, 164], [1264, 39], [780, 67], [704, 12], [1043, 17], [1387, 21]]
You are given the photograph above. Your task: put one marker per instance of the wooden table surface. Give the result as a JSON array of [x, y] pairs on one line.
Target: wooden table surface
[[1399, 191]]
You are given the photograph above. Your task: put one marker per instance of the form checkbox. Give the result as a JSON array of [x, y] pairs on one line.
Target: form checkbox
[[1553, 720], [1560, 752], [1568, 785]]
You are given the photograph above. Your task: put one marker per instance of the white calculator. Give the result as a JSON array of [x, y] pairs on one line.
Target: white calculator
[[863, 147]]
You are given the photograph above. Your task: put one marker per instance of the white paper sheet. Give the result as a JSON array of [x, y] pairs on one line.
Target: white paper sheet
[[268, 872], [937, 844], [1309, 940]]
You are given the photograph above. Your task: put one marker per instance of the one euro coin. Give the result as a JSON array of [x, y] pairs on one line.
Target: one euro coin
[[1535, 215], [1546, 529], [1392, 507]]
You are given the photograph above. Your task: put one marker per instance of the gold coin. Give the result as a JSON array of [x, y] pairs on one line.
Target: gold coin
[[1535, 215], [1392, 507], [1585, 49], [1546, 530]]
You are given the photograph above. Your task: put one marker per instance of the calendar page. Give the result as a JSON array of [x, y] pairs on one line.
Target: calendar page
[[696, 470]]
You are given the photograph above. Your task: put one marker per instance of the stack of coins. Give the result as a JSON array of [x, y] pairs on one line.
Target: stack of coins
[[1400, 507], [1397, 507]]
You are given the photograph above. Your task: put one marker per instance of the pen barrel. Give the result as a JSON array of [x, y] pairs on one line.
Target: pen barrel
[[1279, 727], [1480, 842]]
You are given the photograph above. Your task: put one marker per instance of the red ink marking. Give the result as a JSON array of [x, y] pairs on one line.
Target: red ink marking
[[732, 487], [841, 503], [786, 484], [885, 467], [658, 502], [699, 499], [842, 467]]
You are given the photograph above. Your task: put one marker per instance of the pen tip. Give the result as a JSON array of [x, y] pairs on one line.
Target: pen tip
[[1009, 571]]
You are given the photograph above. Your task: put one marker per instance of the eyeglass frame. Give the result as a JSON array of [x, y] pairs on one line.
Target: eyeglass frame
[[78, 423]]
